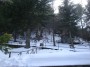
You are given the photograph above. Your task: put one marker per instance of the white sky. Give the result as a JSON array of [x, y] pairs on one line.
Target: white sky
[[58, 2]]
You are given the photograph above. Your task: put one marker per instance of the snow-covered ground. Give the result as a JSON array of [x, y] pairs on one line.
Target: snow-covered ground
[[47, 57]]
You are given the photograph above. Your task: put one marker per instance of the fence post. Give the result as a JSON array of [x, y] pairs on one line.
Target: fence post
[[9, 54], [36, 50]]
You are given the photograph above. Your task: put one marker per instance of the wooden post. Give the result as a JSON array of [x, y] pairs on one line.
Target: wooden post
[[20, 53], [9, 54], [36, 50], [58, 46], [28, 52]]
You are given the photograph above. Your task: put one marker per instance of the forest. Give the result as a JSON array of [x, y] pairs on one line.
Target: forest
[[34, 21], [18, 17]]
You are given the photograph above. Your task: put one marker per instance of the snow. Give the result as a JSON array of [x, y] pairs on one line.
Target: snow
[[19, 42], [60, 59], [18, 50], [47, 57]]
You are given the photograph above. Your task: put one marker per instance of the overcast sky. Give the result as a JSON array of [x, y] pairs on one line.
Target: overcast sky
[[58, 2]]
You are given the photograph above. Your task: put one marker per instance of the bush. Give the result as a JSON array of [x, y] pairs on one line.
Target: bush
[[5, 38]]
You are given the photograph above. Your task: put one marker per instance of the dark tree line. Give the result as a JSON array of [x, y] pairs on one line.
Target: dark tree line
[[24, 15], [19, 16]]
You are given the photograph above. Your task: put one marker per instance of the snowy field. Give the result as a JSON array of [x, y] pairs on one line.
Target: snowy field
[[47, 57], [59, 55]]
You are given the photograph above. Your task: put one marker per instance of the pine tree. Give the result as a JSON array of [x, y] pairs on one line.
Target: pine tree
[[87, 20], [25, 15], [68, 19], [87, 13]]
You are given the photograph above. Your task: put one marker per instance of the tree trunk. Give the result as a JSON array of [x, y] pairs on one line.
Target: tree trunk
[[71, 41], [64, 36], [53, 32], [41, 32], [54, 39], [15, 36], [27, 38], [63, 39]]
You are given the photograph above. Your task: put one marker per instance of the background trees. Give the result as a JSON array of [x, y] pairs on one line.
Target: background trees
[[25, 15], [68, 18], [87, 21], [19, 16]]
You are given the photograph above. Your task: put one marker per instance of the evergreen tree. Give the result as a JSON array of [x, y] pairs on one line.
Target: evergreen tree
[[69, 15], [87, 13], [3, 21], [25, 15], [87, 20]]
